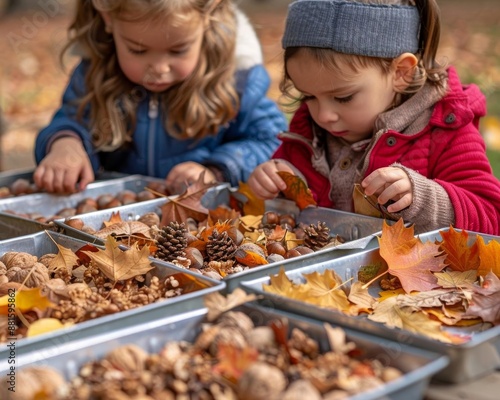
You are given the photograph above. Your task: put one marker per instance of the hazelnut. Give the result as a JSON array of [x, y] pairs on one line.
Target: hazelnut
[[304, 250], [270, 218], [159, 187], [276, 248], [126, 196], [67, 212], [20, 186], [145, 195], [113, 203], [272, 258], [300, 233], [75, 223], [84, 208], [287, 220], [89, 201], [292, 253], [104, 199], [195, 257]]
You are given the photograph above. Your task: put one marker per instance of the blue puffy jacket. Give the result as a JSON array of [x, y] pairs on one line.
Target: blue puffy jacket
[[236, 150]]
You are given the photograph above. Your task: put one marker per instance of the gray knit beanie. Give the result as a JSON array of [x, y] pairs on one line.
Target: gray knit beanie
[[349, 27]]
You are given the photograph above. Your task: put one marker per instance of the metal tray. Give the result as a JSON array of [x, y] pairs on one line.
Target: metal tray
[[49, 204], [468, 361], [418, 365], [9, 177], [359, 228], [40, 243]]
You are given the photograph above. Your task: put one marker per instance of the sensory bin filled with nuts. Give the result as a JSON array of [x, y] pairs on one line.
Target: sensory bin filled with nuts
[[223, 248], [101, 202], [70, 287], [231, 358]]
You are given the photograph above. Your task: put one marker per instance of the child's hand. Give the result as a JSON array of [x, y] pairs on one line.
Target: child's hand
[[185, 174], [63, 167], [264, 181], [390, 183]]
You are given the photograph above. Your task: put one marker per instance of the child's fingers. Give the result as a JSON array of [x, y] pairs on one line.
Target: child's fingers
[[86, 176]]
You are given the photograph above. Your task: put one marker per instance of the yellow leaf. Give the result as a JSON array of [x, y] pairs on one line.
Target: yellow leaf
[[45, 325], [119, 264], [281, 285], [384, 295], [253, 205], [324, 290], [456, 279], [25, 300]]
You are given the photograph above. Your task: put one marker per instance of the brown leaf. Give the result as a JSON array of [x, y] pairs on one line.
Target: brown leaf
[[118, 264], [459, 255], [65, 259], [217, 304], [187, 205], [409, 259], [297, 190], [114, 219], [233, 361], [486, 304], [456, 279], [431, 298], [369, 205], [125, 229]]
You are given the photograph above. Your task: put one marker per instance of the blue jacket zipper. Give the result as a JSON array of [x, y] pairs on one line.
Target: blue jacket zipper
[[153, 115]]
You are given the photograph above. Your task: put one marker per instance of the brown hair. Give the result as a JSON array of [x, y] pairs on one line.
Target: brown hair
[[194, 108]]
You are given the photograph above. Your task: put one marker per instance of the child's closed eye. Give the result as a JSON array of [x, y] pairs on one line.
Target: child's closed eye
[[136, 51], [344, 100]]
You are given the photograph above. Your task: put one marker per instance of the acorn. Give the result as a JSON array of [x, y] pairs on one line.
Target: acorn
[[76, 223], [145, 195], [113, 203], [126, 197], [103, 200], [304, 250], [84, 208], [67, 212], [287, 221], [270, 218], [292, 253]]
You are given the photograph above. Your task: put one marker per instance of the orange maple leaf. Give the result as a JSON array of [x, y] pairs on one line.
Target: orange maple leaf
[[297, 190], [253, 205], [409, 259], [114, 219], [459, 255], [233, 361], [489, 256]]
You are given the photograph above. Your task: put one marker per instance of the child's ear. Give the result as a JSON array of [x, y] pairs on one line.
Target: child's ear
[[404, 67]]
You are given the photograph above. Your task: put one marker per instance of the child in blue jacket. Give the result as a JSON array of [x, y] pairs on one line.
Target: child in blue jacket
[[165, 89]]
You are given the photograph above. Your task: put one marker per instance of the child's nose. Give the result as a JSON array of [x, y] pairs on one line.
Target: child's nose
[[161, 66], [327, 115]]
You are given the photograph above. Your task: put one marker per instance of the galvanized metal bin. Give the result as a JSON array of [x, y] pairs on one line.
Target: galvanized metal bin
[[417, 365], [49, 204], [40, 244], [359, 229], [470, 360]]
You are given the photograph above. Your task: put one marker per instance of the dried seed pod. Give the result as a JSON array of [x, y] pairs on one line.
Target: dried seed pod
[[129, 358], [261, 382], [150, 219], [276, 248]]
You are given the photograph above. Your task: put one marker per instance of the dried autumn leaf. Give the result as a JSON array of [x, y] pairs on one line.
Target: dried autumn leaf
[[233, 361], [459, 255], [221, 214], [117, 264], [297, 190], [431, 298], [359, 296], [45, 325], [126, 229], [114, 219], [489, 256], [250, 222], [80, 253], [65, 260], [253, 205], [282, 286], [368, 205], [250, 254], [409, 259], [325, 290], [486, 304], [456, 279], [187, 205], [217, 304], [26, 300]]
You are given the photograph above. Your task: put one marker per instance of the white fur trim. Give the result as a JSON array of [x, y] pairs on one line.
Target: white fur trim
[[248, 50]]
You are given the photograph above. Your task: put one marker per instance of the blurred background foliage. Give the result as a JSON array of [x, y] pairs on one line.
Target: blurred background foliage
[[32, 79]]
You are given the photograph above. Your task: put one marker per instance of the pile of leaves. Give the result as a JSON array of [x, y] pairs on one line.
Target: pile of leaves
[[231, 358], [66, 288], [433, 289]]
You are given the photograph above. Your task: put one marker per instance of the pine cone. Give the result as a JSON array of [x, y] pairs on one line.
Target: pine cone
[[171, 241], [317, 236], [220, 247]]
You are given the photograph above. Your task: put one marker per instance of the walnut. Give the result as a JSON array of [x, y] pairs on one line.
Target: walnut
[[18, 259], [5, 287], [302, 389], [229, 335], [35, 380], [261, 338], [150, 219], [236, 319], [36, 275], [46, 259], [3, 268], [128, 358], [261, 381]]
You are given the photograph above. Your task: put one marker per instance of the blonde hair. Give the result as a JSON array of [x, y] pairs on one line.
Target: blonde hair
[[194, 108], [426, 70]]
